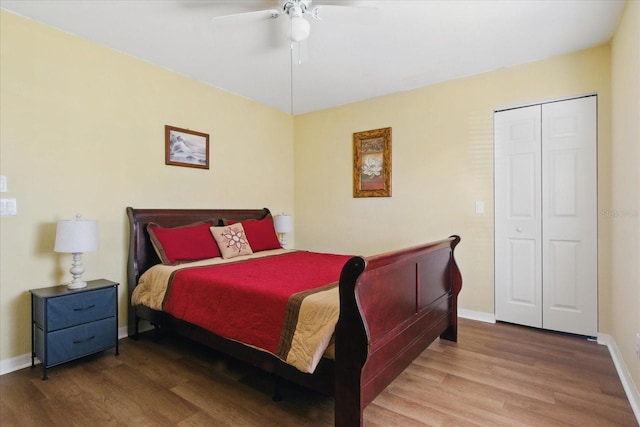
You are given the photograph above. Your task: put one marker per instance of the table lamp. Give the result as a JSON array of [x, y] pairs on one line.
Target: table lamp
[[283, 224], [76, 237]]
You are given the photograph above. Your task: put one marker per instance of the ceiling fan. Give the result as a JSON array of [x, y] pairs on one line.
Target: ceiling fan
[[299, 28]]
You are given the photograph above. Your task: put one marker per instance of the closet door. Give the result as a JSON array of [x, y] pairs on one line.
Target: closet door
[[518, 225], [569, 216], [546, 216]]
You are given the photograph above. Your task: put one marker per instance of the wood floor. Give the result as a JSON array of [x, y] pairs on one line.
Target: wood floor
[[496, 375]]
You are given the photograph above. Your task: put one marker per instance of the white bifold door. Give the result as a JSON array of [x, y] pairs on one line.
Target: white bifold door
[[546, 216]]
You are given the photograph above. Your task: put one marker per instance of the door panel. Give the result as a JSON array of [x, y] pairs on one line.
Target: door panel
[[523, 259], [518, 230], [522, 189], [563, 189], [569, 218], [562, 269]]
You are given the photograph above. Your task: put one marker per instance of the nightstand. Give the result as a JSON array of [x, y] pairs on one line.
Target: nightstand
[[67, 324]]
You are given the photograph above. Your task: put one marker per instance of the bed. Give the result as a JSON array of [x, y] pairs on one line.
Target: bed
[[391, 307]]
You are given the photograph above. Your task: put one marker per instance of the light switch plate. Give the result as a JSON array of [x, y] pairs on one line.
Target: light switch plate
[[479, 207], [8, 207], [3, 183]]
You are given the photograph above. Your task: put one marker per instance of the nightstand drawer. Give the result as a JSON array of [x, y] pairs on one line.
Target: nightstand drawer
[[82, 340], [75, 309]]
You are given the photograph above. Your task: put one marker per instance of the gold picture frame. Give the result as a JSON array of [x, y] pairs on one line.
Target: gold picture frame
[[372, 163], [184, 147]]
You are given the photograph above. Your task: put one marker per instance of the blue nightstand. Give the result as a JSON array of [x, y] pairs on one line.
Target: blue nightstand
[[71, 323]]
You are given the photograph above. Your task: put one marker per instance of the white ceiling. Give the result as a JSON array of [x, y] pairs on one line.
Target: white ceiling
[[365, 50]]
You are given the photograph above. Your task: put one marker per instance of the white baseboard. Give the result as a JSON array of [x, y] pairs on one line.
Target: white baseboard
[[480, 316], [625, 377], [15, 364], [123, 332]]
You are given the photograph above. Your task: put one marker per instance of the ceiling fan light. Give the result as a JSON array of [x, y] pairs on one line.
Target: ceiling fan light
[[300, 29]]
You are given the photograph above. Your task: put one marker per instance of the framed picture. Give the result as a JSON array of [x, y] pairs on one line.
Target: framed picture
[[184, 147], [372, 163]]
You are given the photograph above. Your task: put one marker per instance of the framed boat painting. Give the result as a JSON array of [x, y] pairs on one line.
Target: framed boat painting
[[184, 147]]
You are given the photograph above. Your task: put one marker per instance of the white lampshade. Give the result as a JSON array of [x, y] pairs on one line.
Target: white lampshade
[[75, 237], [283, 223]]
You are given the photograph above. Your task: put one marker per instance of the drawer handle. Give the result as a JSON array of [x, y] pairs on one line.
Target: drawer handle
[[85, 308], [88, 339]]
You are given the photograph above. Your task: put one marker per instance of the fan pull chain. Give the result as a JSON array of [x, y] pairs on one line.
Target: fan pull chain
[[291, 72]]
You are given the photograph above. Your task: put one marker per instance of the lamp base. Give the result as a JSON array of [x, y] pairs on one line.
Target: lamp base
[[77, 285], [76, 271]]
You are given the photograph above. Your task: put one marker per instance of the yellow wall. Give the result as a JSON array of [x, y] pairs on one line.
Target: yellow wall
[[442, 156], [83, 131], [625, 187]]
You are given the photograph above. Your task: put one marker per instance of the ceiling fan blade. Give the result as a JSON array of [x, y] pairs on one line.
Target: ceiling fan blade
[[227, 5], [248, 16]]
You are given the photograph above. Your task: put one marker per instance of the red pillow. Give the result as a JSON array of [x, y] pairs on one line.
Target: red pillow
[[261, 234], [183, 244]]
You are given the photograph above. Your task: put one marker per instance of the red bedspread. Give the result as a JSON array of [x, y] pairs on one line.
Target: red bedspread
[[246, 301]]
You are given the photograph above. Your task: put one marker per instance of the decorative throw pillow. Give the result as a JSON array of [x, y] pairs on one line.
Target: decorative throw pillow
[[231, 240], [183, 244], [261, 234]]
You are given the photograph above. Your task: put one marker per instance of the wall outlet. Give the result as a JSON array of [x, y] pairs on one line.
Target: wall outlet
[[638, 345], [3, 183]]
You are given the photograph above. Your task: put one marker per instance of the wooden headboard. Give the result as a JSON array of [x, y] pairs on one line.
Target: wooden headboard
[[142, 255]]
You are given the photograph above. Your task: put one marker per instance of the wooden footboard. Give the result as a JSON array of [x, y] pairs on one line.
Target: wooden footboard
[[392, 306]]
